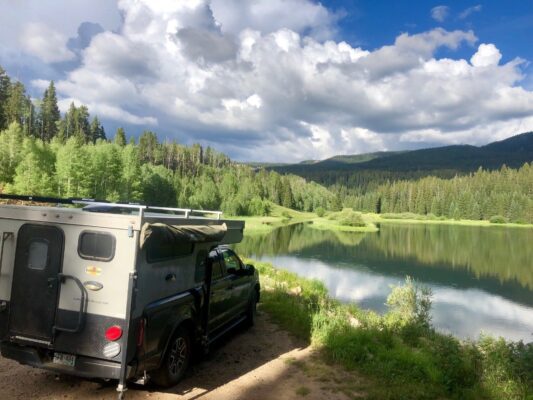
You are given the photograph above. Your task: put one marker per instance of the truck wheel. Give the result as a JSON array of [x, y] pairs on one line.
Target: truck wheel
[[252, 309], [176, 361]]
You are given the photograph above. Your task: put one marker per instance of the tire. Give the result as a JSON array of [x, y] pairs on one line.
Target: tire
[[176, 360], [251, 312]]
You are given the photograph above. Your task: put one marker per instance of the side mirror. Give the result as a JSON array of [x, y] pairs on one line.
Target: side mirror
[[231, 271], [250, 269]]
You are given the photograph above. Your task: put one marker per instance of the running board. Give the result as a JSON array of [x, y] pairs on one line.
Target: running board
[[31, 340], [227, 329]]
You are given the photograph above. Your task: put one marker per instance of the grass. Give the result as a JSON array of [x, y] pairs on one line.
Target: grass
[[412, 218], [399, 352], [349, 220], [282, 216], [278, 216], [303, 391]]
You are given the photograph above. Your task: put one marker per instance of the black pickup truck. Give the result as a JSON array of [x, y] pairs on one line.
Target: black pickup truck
[[234, 295], [118, 291]]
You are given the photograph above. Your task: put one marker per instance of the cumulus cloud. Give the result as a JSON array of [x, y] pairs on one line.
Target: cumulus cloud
[[302, 16], [266, 90], [440, 13], [487, 55], [470, 10], [45, 43]]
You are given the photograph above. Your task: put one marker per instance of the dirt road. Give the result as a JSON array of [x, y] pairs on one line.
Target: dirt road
[[263, 362]]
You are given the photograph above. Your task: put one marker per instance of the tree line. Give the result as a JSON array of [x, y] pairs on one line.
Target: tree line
[[480, 195], [45, 153]]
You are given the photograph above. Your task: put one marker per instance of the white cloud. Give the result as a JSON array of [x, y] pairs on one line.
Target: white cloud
[[487, 55], [269, 16], [46, 43], [261, 89], [440, 13], [465, 13]]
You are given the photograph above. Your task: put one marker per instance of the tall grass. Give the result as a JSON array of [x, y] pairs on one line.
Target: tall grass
[[399, 351]]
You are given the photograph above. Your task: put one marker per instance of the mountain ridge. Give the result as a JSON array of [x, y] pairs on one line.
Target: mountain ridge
[[513, 152]]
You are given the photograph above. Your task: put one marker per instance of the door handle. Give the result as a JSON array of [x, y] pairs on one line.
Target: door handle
[[170, 277], [52, 282]]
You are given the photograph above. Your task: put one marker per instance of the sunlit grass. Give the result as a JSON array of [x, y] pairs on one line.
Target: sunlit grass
[[399, 352]]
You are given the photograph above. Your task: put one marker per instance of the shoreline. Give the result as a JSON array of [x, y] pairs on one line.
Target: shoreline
[[400, 352], [265, 224]]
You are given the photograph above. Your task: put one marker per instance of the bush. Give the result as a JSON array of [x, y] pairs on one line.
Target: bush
[[352, 219], [320, 212], [497, 219], [286, 215], [409, 304]]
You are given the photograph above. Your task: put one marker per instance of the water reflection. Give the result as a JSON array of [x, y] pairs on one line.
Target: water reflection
[[482, 279]]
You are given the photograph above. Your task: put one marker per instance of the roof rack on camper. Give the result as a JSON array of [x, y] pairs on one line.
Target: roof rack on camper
[[93, 205]]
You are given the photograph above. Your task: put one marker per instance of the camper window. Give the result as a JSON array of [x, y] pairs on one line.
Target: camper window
[[99, 246], [38, 254]]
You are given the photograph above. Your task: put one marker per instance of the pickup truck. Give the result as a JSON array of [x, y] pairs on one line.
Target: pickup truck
[[118, 291]]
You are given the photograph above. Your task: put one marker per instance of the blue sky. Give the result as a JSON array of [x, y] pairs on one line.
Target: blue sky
[[283, 80]]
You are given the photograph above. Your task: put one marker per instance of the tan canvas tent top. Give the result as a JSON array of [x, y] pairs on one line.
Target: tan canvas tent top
[[182, 233]]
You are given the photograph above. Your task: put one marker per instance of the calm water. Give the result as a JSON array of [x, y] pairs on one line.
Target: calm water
[[481, 278]]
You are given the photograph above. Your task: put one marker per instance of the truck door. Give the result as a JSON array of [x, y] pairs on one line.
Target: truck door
[[221, 293], [240, 283], [38, 260]]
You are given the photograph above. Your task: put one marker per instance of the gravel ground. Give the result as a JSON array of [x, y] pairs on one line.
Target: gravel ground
[[263, 362]]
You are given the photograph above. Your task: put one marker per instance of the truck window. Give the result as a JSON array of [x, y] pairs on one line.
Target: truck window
[[217, 266], [99, 246], [232, 261]]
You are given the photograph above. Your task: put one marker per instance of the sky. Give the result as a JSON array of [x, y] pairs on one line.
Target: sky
[[283, 80]]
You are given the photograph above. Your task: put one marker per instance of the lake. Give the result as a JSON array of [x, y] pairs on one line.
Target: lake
[[481, 277]]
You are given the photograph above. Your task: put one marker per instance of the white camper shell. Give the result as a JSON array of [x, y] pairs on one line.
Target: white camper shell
[[100, 291]]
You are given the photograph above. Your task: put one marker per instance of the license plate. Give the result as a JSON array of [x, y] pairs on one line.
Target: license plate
[[64, 359]]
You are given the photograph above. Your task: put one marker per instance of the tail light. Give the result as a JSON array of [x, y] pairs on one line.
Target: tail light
[[113, 333]]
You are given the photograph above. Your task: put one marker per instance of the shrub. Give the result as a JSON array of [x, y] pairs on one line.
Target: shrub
[[497, 219], [320, 212], [286, 215], [409, 304], [351, 219]]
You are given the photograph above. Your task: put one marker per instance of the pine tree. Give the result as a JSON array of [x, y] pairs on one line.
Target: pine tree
[[15, 104], [49, 115], [120, 137], [5, 84], [96, 130]]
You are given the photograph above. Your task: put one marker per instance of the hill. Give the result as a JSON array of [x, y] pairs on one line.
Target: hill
[[513, 152]]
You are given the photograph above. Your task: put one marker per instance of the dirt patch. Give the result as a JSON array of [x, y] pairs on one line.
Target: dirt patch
[[263, 362]]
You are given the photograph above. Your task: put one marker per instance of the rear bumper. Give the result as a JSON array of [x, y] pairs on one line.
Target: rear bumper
[[85, 367]]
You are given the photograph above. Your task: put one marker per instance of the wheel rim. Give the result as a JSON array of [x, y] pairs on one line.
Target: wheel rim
[[177, 356]]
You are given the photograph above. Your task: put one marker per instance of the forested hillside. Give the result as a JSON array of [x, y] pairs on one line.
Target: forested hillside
[[363, 172], [42, 153], [484, 194]]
